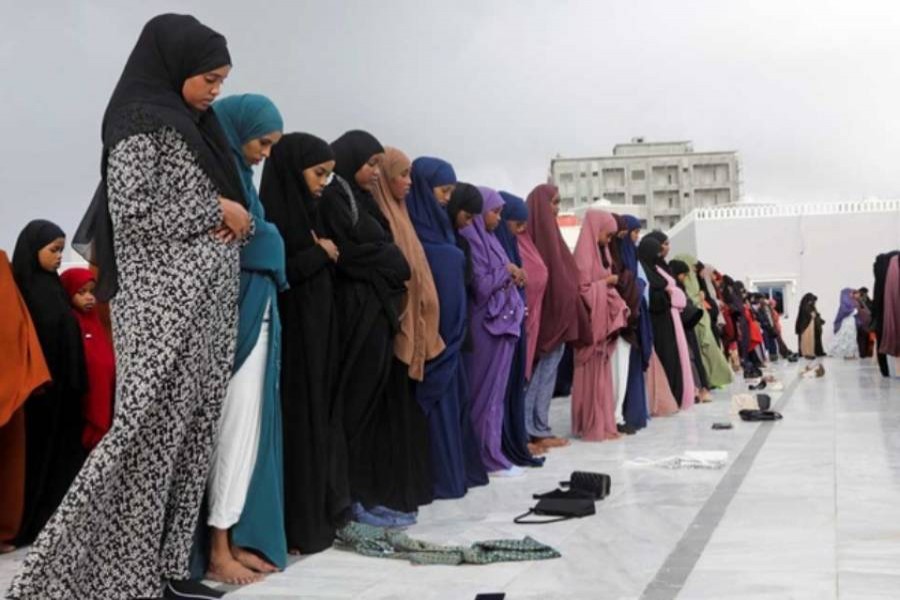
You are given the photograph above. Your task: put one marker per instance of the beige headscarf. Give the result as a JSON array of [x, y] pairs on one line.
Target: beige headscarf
[[418, 339]]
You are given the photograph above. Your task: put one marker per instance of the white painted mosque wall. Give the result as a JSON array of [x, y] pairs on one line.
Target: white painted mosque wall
[[818, 251]]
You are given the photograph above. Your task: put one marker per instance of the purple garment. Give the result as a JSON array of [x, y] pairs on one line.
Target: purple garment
[[497, 311], [848, 305]]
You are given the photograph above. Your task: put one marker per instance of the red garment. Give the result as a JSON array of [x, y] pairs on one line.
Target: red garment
[[100, 360], [756, 336]]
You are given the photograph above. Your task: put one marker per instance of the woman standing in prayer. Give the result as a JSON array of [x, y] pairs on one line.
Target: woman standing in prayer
[[513, 236], [163, 225], [886, 311], [24, 372], [593, 404], [443, 392], [626, 339], [662, 317], [714, 363], [293, 179], [844, 344], [497, 311], [370, 285], [632, 288], [558, 318], [678, 302], [246, 484], [809, 327], [53, 418], [690, 319], [416, 341]]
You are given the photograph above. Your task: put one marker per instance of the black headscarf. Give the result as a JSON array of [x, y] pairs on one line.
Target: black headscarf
[[352, 150], [465, 197], [170, 49], [48, 304], [288, 201]]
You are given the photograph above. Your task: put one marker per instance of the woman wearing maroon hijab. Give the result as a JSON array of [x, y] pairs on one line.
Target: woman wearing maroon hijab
[[558, 319]]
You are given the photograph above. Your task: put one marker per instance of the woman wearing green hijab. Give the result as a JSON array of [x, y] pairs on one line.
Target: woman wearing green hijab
[[714, 361], [246, 482]]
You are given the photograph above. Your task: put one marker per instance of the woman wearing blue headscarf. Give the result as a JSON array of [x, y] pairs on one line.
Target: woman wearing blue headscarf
[[443, 393], [245, 485], [514, 223], [635, 409]]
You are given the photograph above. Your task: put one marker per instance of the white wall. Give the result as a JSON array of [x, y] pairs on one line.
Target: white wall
[[823, 253]]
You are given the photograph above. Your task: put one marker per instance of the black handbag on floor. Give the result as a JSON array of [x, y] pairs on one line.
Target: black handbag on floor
[[561, 506], [596, 484], [760, 415]]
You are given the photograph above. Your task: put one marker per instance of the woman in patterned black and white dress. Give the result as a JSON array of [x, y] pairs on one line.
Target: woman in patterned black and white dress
[[170, 208]]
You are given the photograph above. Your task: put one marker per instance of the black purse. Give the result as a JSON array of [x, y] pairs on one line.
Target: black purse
[[561, 506], [596, 484]]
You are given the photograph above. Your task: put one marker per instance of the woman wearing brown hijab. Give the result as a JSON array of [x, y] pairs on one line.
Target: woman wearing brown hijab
[[24, 371]]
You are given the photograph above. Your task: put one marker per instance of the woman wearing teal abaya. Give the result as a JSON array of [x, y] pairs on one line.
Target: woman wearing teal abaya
[[246, 482]]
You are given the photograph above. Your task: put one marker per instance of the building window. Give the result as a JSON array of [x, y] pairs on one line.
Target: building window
[[584, 174], [595, 173], [777, 291], [687, 194], [639, 199], [643, 223], [671, 203], [566, 178], [637, 175]]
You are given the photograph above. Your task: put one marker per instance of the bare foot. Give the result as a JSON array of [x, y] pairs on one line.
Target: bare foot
[[252, 561], [536, 449], [228, 570], [6, 548], [554, 442]]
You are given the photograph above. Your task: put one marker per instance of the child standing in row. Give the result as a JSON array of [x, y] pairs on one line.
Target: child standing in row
[[100, 361]]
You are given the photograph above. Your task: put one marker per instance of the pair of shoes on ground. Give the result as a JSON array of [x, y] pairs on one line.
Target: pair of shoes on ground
[[381, 516]]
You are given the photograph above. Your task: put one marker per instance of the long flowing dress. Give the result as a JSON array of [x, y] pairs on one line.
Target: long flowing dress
[[443, 392], [521, 252], [53, 416], [659, 302], [593, 405], [844, 343], [678, 302], [717, 369], [314, 452], [417, 340], [247, 483], [496, 325], [558, 314], [370, 284], [24, 371], [129, 518]]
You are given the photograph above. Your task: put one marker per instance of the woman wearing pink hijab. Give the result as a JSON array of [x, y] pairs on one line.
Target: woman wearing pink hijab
[[593, 405]]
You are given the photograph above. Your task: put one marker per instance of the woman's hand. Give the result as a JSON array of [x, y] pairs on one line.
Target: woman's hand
[[235, 221], [328, 246], [518, 275], [612, 280]]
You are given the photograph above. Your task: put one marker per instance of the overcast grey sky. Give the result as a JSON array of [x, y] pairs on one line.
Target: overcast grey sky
[[806, 91]]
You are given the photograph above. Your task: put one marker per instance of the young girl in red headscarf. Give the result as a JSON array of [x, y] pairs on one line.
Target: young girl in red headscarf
[[97, 403]]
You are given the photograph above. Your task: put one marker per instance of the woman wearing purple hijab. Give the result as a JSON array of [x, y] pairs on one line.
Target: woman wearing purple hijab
[[497, 311], [844, 343]]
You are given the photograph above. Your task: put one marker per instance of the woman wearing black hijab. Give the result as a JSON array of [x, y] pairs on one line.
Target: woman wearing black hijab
[[292, 182], [809, 328], [664, 341], [381, 426], [53, 418], [162, 227]]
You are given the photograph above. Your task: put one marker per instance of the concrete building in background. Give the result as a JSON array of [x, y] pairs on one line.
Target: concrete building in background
[[659, 182], [787, 250]]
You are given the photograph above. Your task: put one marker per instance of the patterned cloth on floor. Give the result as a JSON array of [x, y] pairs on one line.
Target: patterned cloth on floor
[[387, 543]]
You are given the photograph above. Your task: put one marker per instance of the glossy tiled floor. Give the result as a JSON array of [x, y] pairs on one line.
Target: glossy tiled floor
[[805, 508]]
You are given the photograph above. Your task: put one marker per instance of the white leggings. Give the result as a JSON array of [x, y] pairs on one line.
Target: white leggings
[[621, 358]]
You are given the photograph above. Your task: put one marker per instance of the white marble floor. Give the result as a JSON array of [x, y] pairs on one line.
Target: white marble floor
[[815, 517]]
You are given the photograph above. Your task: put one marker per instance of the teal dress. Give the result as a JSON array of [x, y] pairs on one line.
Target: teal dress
[[261, 526]]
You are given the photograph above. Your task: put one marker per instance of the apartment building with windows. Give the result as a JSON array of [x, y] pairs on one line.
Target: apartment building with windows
[[659, 182]]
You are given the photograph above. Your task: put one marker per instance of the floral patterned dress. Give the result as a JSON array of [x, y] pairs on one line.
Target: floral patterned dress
[[128, 519]]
